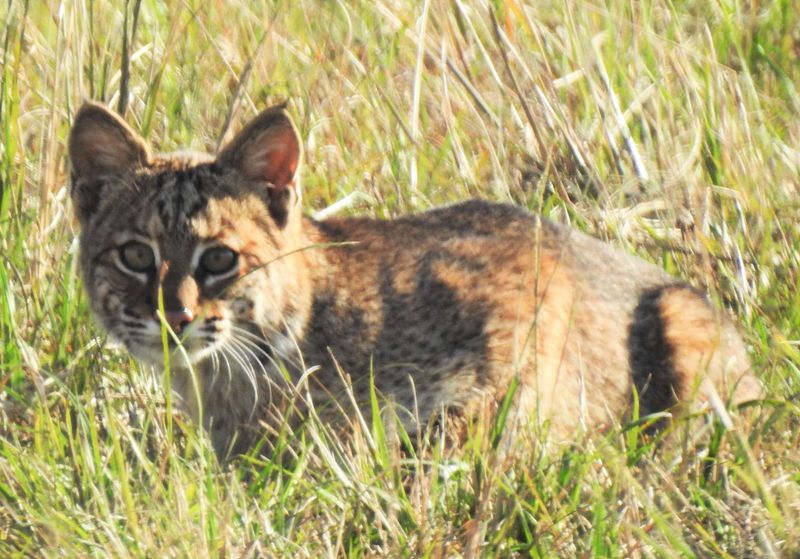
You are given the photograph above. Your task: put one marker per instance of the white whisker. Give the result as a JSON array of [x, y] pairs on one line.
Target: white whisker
[[248, 334], [243, 346], [277, 367], [246, 368], [224, 355], [214, 360], [256, 342]]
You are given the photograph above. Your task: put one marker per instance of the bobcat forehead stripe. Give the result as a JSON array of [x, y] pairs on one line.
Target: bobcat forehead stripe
[[178, 196]]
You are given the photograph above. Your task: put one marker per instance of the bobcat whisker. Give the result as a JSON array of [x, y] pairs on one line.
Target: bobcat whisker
[[239, 344], [214, 360], [273, 379], [248, 334], [221, 351], [256, 343], [246, 368], [244, 345]]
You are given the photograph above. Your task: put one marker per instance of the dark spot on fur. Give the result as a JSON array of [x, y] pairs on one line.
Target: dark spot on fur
[[650, 355], [397, 345]]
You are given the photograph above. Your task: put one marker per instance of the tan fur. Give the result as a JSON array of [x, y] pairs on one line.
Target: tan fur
[[442, 310], [701, 340]]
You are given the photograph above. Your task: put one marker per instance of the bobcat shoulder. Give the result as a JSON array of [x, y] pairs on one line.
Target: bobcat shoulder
[[441, 309]]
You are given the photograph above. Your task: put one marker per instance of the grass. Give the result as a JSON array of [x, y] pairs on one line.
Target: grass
[[670, 129]]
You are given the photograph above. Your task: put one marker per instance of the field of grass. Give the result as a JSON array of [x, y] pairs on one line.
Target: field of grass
[[669, 128]]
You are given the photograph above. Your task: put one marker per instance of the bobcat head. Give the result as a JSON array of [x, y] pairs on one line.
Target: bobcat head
[[206, 245]]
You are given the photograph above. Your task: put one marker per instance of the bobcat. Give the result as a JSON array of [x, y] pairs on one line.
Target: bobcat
[[435, 311]]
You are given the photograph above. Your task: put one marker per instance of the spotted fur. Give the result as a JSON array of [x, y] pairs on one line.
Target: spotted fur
[[441, 310]]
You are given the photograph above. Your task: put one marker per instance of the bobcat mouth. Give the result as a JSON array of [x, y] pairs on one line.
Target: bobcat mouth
[[220, 342], [145, 341]]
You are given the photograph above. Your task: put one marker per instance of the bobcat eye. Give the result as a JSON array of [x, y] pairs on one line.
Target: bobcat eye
[[218, 260], [136, 256]]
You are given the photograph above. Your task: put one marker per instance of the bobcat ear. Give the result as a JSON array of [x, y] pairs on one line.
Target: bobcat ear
[[101, 144], [268, 150]]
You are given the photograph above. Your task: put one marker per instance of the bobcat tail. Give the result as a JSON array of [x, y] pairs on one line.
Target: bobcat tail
[[682, 350]]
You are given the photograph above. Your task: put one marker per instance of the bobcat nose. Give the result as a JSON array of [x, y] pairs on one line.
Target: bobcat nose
[[178, 320]]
